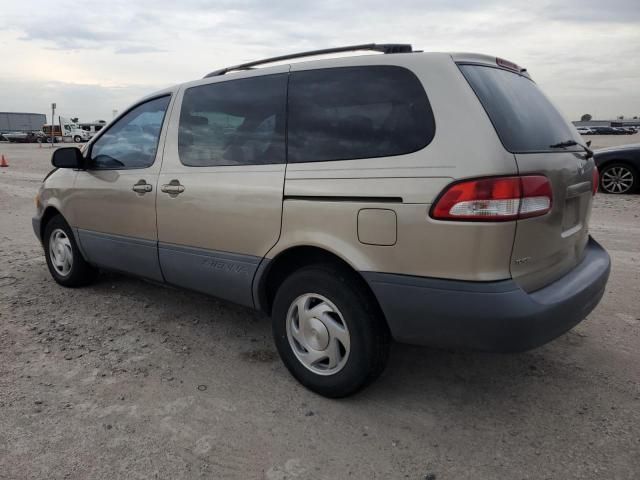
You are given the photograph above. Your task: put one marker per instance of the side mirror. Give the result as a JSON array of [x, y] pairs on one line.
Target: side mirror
[[588, 143], [68, 157]]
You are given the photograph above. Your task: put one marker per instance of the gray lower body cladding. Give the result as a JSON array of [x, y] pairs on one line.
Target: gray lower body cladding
[[134, 256], [489, 316], [224, 275]]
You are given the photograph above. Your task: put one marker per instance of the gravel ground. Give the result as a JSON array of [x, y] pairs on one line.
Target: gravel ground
[[125, 379]]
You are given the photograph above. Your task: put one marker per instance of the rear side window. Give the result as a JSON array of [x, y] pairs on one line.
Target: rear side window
[[357, 112], [235, 122], [525, 120]]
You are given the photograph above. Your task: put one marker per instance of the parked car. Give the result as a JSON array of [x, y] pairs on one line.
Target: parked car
[[604, 131], [621, 131], [584, 130], [619, 167], [24, 137], [15, 137], [322, 194]]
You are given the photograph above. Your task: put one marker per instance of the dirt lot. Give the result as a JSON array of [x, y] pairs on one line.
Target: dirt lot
[[126, 379]]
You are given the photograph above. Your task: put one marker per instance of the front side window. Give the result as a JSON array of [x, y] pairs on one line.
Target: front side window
[[357, 112], [132, 141], [235, 122]]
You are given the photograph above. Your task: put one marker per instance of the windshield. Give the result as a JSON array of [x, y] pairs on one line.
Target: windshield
[[524, 118]]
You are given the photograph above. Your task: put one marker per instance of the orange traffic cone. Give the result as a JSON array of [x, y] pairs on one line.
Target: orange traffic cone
[[3, 162]]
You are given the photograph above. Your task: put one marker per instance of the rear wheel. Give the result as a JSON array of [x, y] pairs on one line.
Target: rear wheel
[[77, 139], [618, 178], [65, 262], [329, 331]]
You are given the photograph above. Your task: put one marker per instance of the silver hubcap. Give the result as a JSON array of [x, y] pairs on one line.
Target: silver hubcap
[[617, 180], [60, 252], [318, 334]]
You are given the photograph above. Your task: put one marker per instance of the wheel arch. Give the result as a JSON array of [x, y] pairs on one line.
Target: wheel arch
[[271, 273], [48, 214], [608, 161], [51, 211]]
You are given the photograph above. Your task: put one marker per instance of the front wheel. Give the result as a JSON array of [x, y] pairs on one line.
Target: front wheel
[[329, 331], [65, 262], [77, 139], [618, 178]]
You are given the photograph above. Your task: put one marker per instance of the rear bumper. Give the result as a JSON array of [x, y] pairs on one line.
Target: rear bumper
[[490, 316]]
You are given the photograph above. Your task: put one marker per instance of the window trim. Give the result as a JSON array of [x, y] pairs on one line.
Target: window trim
[[227, 80], [399, 67], [103, 130]]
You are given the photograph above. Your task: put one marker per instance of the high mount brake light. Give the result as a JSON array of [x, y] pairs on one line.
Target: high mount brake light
[[507, 64], [495, 199]]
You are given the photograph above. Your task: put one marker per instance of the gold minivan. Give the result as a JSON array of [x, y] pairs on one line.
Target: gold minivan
[[430, 198]]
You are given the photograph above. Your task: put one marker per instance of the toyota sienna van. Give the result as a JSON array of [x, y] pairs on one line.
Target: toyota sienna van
[[428, 198]]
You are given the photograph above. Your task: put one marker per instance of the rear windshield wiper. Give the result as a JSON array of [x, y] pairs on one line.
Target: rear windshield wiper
[[573, 143]]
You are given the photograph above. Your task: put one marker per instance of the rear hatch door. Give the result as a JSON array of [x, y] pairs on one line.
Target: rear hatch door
[[543, 142]]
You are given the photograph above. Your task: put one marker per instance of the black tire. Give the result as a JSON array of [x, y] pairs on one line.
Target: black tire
[[77, 139], [368, 332], [614, 169], [80, 273]]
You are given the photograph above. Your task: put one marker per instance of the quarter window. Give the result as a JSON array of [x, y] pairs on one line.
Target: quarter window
[[132, 141], [357, 112], [234, 122]]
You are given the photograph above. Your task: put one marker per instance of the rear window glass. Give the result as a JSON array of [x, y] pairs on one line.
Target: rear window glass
[[357, 112], [524, 118]]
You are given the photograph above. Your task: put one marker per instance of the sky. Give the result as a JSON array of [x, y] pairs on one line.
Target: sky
[[95, 57]]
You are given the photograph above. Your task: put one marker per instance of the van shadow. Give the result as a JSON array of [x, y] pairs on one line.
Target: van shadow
[[414, 374], [470, 379]]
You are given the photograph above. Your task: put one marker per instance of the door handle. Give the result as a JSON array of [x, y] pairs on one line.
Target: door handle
[[173, 188], [142, 187]]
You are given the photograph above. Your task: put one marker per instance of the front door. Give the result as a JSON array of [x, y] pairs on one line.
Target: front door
[[113, 204], [221, 185]]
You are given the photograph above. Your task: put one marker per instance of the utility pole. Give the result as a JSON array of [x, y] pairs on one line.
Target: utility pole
[[53, 112]]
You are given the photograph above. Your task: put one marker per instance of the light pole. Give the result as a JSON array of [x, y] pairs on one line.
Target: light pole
[[53, 113]]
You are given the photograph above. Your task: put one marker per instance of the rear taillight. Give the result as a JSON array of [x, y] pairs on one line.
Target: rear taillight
[[495, 199], [595, 180]]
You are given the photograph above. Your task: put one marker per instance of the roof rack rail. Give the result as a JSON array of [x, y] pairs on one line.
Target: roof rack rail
[[377, 47]]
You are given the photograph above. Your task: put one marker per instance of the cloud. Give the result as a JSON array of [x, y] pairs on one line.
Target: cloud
[[87, 101], [133, 49], [580, 51], [63, 37], [592, 11]]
